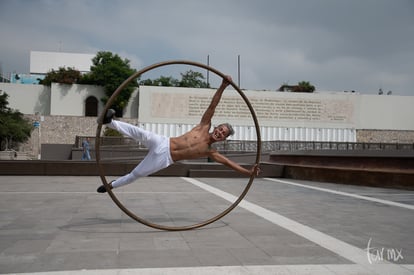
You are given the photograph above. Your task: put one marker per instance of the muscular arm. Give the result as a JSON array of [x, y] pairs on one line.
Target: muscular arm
[[229, 163], [208, 114]]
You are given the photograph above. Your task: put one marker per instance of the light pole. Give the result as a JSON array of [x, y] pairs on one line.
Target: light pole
[[208, 72], [238, 70]]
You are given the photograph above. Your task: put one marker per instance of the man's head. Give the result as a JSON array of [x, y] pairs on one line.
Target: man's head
[[222, 131]]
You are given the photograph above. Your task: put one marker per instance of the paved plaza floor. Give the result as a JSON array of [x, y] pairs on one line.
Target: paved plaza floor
[[60, 225]]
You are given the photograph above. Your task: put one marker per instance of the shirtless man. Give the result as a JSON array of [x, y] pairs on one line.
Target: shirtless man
[[165, 151]]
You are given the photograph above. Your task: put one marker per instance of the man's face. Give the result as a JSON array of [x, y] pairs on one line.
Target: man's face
[[220, 133]]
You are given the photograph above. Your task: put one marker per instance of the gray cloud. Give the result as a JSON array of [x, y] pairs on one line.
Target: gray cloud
[[336, 45]]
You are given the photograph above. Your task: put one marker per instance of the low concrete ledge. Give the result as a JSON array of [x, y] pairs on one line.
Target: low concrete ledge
[[355, 176], [385, 160], [61, 168], [119, 168], [380, 177], [268, 170], [386, 168]]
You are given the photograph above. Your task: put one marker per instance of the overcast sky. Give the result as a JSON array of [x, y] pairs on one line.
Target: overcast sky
[[337, 45]]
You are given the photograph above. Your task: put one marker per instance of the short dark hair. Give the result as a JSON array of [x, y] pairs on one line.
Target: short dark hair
[[231, 130]]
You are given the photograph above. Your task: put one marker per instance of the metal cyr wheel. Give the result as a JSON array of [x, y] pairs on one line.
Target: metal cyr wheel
[[98, 141]]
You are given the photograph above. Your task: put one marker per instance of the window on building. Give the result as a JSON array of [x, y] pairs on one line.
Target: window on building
[[91, 106]]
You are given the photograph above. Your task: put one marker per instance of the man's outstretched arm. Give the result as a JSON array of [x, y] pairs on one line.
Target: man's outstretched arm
[[208, 114], [229, 163]]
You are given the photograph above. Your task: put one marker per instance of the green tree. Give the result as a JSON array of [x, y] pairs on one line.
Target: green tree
[[193, 79], [305, 87], [14, 127], [165, 81], [188, 79], [302, 87], [62, 75], [110, 71], [147, 82]]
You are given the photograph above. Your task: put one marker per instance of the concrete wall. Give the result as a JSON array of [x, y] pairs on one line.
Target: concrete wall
[[28, 99], [382, 112], [59, 130], [345, 117], [69, 100], [273, 109], [57, 152], [59, 99], [280, 109], [385, 136], [43, 62]]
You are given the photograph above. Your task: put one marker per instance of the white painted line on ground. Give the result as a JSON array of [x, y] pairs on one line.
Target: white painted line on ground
[[392, 203], [343, 249]]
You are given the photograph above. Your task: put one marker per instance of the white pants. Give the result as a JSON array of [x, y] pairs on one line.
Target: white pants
[[158, 156]]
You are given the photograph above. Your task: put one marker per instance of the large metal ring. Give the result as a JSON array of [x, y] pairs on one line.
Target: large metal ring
[[98, 141]]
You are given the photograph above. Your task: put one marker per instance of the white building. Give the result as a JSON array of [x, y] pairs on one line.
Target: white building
[[43, 62], [281, 115]]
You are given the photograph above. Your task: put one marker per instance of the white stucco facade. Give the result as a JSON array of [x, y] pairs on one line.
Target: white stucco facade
[[383, 112], [273, 109], [43, 62], [281, 115], [69, 100], [59, 99], [28, 99]]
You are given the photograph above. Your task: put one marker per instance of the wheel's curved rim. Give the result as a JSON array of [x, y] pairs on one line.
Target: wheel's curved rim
[[101, 170]]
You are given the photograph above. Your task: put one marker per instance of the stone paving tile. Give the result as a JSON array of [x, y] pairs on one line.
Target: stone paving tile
[[60, 223]]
